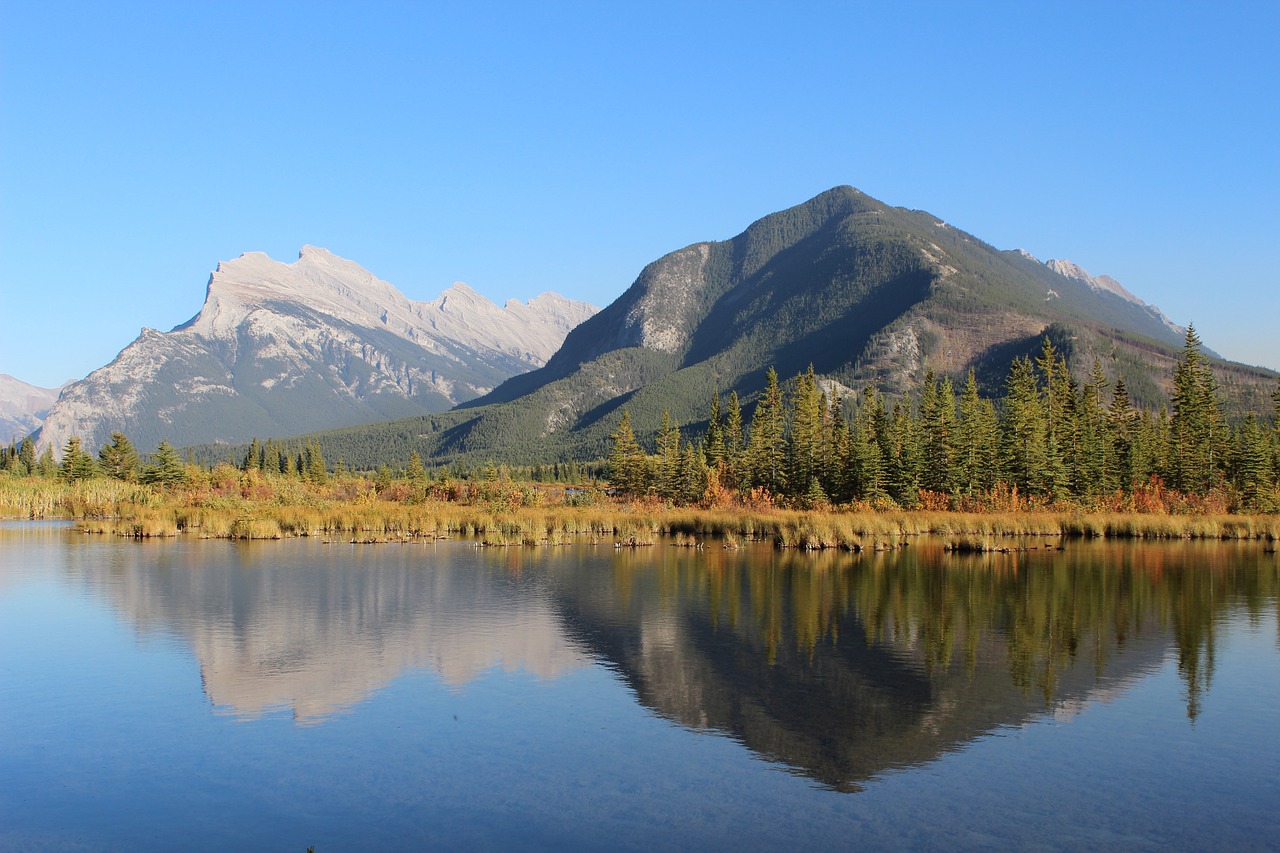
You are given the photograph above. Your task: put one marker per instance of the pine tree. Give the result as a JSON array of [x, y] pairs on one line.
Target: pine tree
[[977, 441], [804, 445], [668, 479], [119, 459], [937, 435], [1252, 466], [1197, 426], [27, 456], [415, 473], [835, 476], [314, 467], [47, 466], [76, 464], [1092, 453], [166, 468], [1023, 434], [627, 468], [1119, 469], [253, 457], [714, 446], [1275, 432], [902, 459], [766, 452], [866, 453], [1058, 398], [734, 442]]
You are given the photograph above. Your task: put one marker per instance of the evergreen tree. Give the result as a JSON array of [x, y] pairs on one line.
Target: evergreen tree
[[27, 456], [734, 442], [314, 468], [1057, 400], [1023, 435], [668, 480], [766, 451], [714, 446], [937, 435], [1252, 468], [1275, 432], [1092, 453], [47, 466], [1197, 427], [627, 468], [977, 448], [839, 443], [415, 473], [1120, 468], [866, 454], [804, 445], [166, 468], [76, 464], [253, 457], [119, 459], [902, 459]]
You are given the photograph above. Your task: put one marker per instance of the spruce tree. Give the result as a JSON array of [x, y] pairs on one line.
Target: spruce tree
[[627, 467], [27, 456], [76, 464], [1023, 434], [766, 452], [804, 445], [119, 459], [714, 446], [1120, 468], [937, 435], [1092, 452], [734, 442], [1197, 431], [866, 454], [902, 459], [668, 479], [166, 468], [1252, 466], [415, 473]]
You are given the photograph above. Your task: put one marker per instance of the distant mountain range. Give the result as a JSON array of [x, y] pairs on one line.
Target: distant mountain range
[[22, 407], [863, 291], [281, 349]]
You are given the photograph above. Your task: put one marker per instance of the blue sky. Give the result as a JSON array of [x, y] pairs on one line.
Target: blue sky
[[523, 147]]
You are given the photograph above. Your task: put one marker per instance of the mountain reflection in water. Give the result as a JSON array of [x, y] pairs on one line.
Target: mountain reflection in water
[[839, 666]]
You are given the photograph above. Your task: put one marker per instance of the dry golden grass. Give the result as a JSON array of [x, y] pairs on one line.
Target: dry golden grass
[[249, 507]]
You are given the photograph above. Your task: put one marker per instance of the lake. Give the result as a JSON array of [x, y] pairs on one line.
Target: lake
[[213, 695]]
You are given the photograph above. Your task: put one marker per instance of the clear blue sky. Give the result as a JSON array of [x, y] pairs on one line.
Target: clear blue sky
[[531, 146]]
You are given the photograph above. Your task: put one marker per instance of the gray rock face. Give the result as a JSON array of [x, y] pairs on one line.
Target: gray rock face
[[280, 349], [1110, 285], [22, 407]]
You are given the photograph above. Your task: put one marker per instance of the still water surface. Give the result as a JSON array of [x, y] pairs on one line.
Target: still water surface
[[213, 695]]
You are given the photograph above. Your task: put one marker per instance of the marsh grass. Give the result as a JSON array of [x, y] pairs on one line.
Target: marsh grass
[[244, 509]]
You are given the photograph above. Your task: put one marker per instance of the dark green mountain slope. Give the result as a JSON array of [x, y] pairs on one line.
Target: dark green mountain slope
[[863, 291]]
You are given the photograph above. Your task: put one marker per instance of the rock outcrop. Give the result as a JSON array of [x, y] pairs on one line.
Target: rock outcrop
[[282, 349]]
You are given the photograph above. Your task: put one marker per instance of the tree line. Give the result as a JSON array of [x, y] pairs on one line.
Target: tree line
[[1049, 438]]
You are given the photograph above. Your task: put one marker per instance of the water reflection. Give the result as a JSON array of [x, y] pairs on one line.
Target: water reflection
[[840, 667], [314, 629]]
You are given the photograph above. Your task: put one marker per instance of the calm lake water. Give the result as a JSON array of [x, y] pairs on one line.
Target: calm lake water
[[207, 695]]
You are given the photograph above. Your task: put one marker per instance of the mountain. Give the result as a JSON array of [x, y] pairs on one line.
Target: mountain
[[281, 349], [863, 291], [22, 407]]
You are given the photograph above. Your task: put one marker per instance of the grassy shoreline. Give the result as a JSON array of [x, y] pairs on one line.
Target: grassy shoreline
[[135, 511]]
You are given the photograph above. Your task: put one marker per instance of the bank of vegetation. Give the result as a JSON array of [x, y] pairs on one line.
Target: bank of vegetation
[[814, 470]]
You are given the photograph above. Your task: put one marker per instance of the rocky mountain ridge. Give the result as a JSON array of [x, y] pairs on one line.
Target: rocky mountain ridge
[[279, 349], [22, 407]]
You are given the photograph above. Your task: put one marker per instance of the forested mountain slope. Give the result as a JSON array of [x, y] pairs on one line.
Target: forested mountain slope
[[865, 292]]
